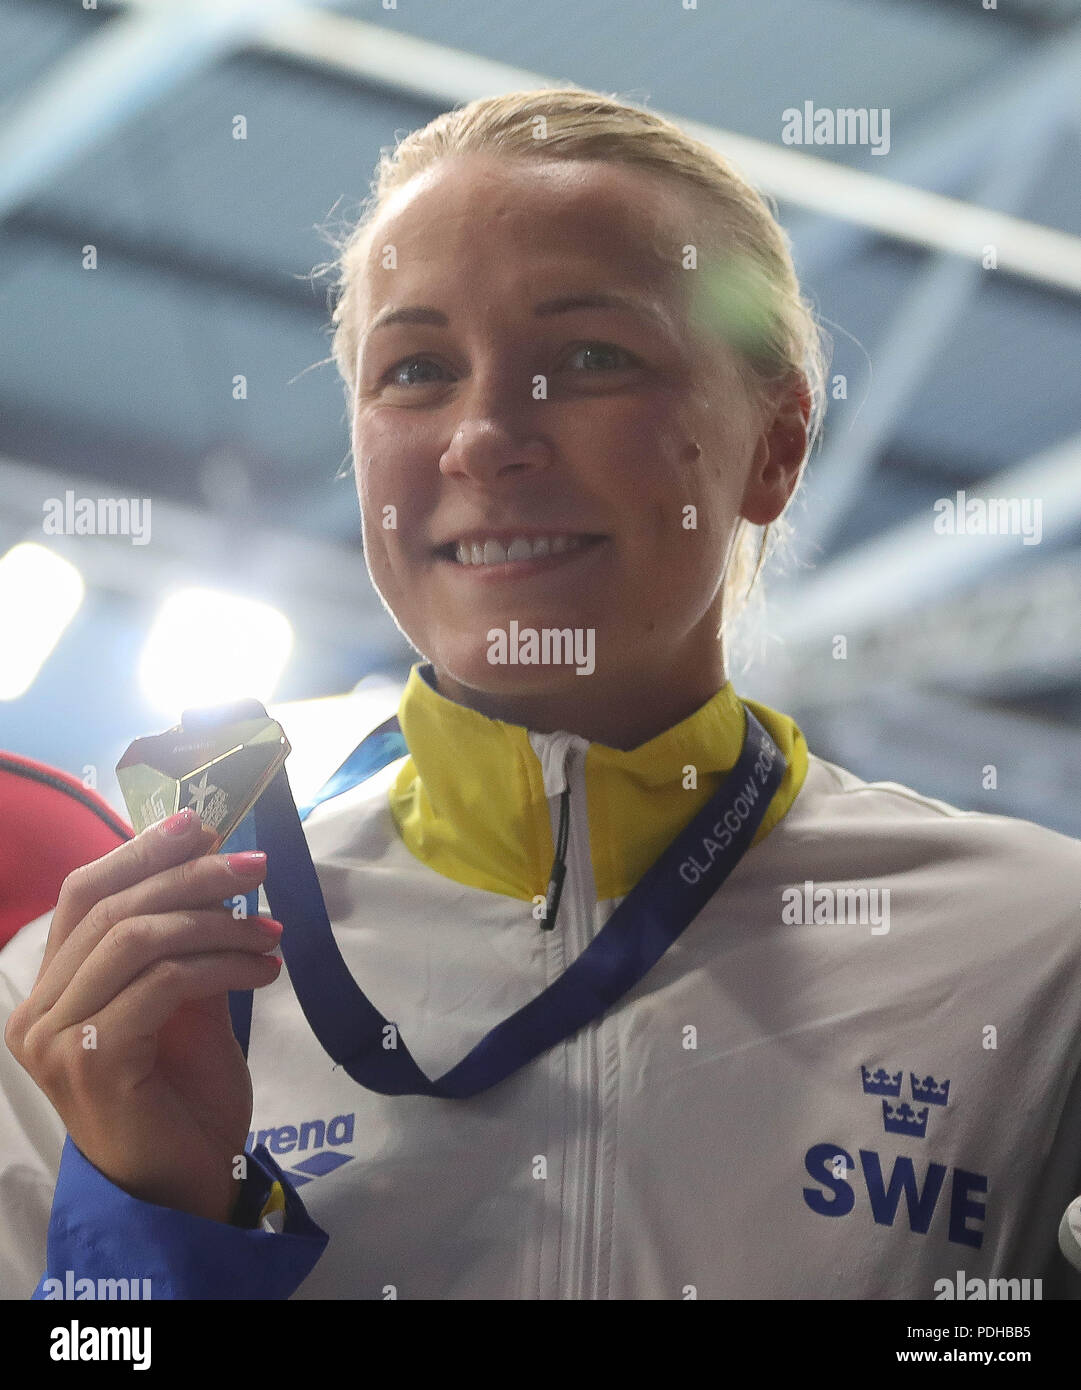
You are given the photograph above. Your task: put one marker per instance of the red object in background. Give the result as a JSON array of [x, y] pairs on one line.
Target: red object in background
[[49, 824]]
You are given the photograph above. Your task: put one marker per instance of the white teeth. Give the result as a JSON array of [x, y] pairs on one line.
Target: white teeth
[[493, 552]]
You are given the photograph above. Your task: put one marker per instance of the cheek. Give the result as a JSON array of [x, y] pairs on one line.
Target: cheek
[[396, 482], [383, 526], [371, 490], [669, 484], [637, 452], [687, 504]]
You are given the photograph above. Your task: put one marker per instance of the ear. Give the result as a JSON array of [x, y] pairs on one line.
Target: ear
[[779, 451]]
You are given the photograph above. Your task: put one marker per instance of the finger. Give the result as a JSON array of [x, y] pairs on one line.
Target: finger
[[124, 1036], [198, 882], [140, 1011], [139, 943], [159, 847]]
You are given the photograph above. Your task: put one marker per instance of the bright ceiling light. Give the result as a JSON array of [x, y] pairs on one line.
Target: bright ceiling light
[[207, 648], [40, 593]]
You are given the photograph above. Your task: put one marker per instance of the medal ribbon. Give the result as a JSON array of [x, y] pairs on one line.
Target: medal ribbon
[[650, 918]]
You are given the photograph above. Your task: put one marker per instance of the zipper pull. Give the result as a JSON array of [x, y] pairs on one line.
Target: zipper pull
[[559, 864], [555, 752]]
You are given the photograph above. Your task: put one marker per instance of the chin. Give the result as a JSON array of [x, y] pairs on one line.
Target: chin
[[509, 679]]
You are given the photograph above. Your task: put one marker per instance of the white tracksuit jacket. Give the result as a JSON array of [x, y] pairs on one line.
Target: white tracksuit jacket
[[800, 1100]]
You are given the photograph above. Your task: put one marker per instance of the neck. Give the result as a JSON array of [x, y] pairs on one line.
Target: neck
[[621, 715]]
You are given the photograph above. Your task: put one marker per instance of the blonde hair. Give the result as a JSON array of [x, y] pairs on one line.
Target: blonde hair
[[758, 295]]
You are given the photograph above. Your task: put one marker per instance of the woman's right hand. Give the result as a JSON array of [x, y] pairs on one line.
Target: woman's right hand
[[127, 1028]]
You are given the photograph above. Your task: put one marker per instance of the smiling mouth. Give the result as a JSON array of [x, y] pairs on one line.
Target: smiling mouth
[[489, 551]]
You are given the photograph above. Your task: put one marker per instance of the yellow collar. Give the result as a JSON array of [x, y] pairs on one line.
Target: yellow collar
[[470, 803]]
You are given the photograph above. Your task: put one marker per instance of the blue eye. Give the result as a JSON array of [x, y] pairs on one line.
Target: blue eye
[[609, 350], [601, 351], [405, 363]]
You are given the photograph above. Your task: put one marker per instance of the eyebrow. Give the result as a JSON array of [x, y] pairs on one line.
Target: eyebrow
[[563, 304]]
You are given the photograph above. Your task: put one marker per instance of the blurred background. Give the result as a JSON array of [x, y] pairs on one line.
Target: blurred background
[[164, 173]]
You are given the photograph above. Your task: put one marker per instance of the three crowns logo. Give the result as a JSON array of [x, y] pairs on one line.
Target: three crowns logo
[[910, 1120]]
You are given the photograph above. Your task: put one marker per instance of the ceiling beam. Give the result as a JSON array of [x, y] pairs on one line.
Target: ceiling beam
[[945, 147], [446, 77], [121, 68], [912, 565], [917, 331], [127, 64], [324, 589], [188, 265], [1017, 638], [940, 746]]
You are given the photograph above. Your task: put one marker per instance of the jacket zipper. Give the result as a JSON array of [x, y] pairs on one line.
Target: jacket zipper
[[562, 759]]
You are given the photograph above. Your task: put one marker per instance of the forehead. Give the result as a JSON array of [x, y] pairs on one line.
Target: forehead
[[508, 215]]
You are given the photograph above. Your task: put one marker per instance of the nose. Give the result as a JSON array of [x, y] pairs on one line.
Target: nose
[[492, 441], [486, 451]]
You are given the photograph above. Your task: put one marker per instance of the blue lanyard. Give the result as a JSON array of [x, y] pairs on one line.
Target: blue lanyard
[[650, 918], [382, 746]]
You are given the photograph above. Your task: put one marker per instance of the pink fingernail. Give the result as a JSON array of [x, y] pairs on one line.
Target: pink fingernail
[[248, 862], [183, 820]]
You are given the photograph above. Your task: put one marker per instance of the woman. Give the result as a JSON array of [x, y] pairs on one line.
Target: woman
[[578, 368]]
